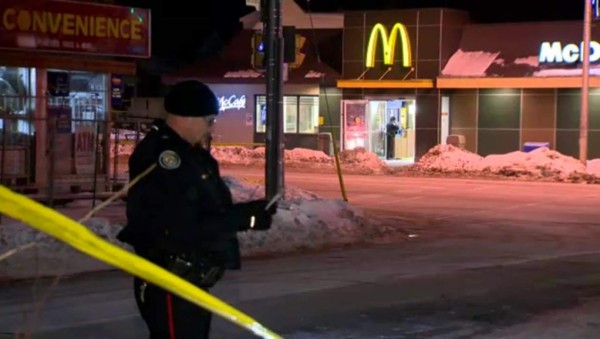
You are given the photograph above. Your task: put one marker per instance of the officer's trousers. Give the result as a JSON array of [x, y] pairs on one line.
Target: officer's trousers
[[168, 316]]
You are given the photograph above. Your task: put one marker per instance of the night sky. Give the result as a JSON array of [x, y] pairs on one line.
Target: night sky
[[481, 10], [184, 33]]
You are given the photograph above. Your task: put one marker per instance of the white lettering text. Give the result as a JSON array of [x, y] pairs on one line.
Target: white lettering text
[[554, 52], [232, 102]]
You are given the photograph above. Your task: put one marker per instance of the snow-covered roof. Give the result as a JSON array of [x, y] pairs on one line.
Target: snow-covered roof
[[469, 63], [513, 50]]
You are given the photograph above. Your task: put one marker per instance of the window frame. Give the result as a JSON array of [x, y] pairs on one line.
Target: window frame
[[297, 98]]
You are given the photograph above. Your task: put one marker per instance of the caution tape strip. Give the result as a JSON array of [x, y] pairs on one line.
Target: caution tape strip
[[78, 236]]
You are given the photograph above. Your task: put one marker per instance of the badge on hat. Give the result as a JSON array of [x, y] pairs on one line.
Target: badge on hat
[[169, 160]]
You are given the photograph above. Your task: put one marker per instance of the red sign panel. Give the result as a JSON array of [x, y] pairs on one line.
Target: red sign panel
[[74, 27]]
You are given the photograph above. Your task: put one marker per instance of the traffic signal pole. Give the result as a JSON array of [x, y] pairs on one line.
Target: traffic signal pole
[[274, 181], [585, 86]]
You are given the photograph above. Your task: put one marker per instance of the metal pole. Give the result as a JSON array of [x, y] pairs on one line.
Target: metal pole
[[585, 88], [52, 124], [274, 150], [5, 123], [115, 145], [4, 120], [96, 162]]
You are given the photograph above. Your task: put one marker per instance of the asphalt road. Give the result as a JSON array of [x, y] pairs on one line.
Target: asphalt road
[[489, 259], [436, 199]]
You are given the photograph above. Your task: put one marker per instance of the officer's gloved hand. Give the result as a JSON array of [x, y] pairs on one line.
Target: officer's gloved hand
[[255, 216]]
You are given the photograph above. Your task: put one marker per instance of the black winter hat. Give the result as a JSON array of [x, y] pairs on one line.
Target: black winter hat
[[191, 99]]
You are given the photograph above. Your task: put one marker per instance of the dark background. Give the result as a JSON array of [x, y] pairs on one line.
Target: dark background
[[186, 31]]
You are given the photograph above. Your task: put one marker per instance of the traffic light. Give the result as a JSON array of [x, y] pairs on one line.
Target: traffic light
[[293, 44], [258, 51]]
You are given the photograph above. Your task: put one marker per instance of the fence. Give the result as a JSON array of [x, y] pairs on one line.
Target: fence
[[76, 151]]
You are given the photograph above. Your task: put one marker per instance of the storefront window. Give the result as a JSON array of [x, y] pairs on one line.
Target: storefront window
[[301, 114], [290, 113], [78, 103], [309, 115], [84, 94], [261, 114], [17, 105], [17, 101]]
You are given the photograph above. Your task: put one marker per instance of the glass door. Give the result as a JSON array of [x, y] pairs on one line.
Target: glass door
[[376, 127]]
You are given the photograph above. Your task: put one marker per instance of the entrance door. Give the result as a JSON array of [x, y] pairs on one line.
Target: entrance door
[[445, 123], [406, 139], [376, 127], [401, 146]]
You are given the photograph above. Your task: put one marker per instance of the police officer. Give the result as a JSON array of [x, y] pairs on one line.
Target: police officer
[[181, 215]]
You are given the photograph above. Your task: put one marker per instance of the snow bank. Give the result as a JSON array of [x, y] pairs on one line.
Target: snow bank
[[355, 161], [540, 163], [304, 221], [593, 168], [447, 158]]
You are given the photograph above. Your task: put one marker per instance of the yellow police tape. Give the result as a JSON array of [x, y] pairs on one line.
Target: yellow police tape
[[81, 238]]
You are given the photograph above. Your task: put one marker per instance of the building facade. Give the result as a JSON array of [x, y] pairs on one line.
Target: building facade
[[510, 84], [499, 86], [62, 68], [311, 103]]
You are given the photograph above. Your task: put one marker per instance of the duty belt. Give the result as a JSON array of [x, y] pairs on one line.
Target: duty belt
[[199, 270]]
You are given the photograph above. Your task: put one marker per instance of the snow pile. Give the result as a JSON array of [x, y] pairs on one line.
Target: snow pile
[[448, 158], [362, 161], [355, 161], [49, 256], [122, 149], [236, 155], [304, 221], [539, 163], [304, 155], [593, 168]]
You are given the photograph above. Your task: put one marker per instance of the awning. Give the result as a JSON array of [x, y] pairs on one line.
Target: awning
[[529, 82], [387, 84]]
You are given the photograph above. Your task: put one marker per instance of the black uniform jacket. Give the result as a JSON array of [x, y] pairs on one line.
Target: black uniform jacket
[[183, 206]]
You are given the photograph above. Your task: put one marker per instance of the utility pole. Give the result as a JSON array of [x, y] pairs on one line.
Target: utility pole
[[585, 88], [274, 142]]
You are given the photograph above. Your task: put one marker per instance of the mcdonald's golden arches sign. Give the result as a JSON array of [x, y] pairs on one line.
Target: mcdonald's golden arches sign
[[389, 40]]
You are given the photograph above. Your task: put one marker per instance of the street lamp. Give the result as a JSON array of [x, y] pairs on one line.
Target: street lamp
[[585, 76]]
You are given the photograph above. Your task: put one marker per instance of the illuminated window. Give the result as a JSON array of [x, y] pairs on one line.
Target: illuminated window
[[86, 96], [17, 107], [301, 114], [309, 115], [290, 113], [17, 101], [261, 114]]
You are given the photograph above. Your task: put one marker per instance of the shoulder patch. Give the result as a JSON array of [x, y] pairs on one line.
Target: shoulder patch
[[169, 160]]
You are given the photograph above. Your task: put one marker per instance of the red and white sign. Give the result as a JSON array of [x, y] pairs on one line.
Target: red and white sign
[[74, 27], [85, 148]]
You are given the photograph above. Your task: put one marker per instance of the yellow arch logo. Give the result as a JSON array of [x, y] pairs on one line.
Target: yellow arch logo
[[389, 45]]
